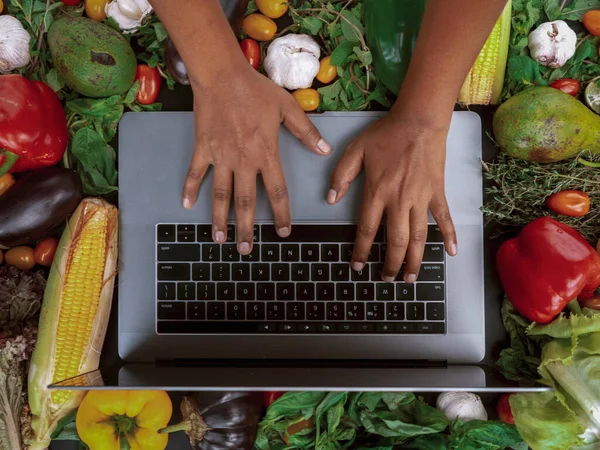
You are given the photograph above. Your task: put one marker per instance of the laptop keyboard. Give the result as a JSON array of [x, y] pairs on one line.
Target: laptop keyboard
[[299, 285]]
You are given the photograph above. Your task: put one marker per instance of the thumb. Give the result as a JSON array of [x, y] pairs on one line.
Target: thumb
[[298, 123], [345, 172]]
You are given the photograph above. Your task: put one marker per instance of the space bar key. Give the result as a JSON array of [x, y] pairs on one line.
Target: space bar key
[[315, 233]]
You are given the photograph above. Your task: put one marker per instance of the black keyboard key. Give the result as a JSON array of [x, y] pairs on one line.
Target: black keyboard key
[[280, 272], [173, 272], [285, 291], [206, 291], [265, 291], [186, 291], [430, 291], [415, 311], [310, 252], [340, 272], [270, 252], [305, 291], [307, 328], [295, 310], [394, 311], [165, 233], [405, 291], [220, 272], [275, 311], [347, 328], [300, 272], [376, 272], [335, 311], [256, 233], [290, 252], [186, 233], [365, 291], [430, 327], [433, 253], [236, 311], [346, 254], [210, 252], [406, 328], [315, 311], [240, 272], [196, 311], [204, 233], [431, 272], [201, 272], [326, 328], [344, 291], [178, 252], [330, 252], [229, 253], [355, 311], [360, 275], [384, 328], [255, 311], [230, 233], [245, 291], [374, 253], [366, 328], [267, 328], [434, 234], [383, 252], [320, 272], [375, 311], [260, 272], [254, 255], [287, 328], [385, 291], [226, 291], [325, 291], [171, 311], [215, 311], [435, 311], [166, 291]]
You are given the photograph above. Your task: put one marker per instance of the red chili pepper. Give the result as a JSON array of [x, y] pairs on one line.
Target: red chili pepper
[[546, 267], [150, 83], [33, 129], [271, 396], [251, 51], [71, 2]]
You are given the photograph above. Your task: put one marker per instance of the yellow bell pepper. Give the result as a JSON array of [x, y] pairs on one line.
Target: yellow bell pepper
[[105, 418]]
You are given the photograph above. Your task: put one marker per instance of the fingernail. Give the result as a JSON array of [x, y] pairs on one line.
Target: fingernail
[[331, 197], [324, 146], [411, 278], [357, 266], [187, 203], [387, 279], [453, 250], [244, 248], [283, 232], [219, 236]]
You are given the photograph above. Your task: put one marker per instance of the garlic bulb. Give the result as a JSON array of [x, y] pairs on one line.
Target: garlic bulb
[[129, 14], [461, 405], [553, 44], [292, 61], [14, 44]]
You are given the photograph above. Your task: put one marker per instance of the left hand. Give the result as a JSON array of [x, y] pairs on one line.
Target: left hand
[[404, 162]]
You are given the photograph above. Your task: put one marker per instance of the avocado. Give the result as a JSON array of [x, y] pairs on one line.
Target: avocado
[[543, 124], [91, 57]]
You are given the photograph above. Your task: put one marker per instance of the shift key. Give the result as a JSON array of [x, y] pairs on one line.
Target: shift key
[[171, 311], [178, 252], [173, 272]]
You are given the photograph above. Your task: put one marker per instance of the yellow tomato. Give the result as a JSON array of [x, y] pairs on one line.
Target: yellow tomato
[[20, 257], [259, 27], [94, 9], [1, 7], [327, 72], [6, 181], [272, 8], [308, 99]]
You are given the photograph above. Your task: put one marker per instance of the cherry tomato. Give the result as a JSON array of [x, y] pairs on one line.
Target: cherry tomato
[[592, 303], [327, 72], [598, 246], [6, 181], [251, 51], [44, 251], [272, 8], [271, 396], [296, 428], [71, 2], [591, 20], [94, 9], [569, 203], [308, 99], [568, 86], [503, 409], [1, 7], [150, 82], [259, 27], [20, 257]]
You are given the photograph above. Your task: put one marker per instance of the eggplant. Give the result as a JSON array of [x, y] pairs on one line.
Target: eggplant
[[175, 64], [36, 204]]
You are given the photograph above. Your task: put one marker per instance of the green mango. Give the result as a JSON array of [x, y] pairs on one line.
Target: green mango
[[92, 58], [543, 124]]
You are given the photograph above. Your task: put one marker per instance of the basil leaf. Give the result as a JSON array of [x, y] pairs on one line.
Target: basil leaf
[[492, 435], [342, 52], [291, 403], [96, 162], [311, 25], [577, 9], [54, 80], [95, 108], [365, 57], [352, 29]]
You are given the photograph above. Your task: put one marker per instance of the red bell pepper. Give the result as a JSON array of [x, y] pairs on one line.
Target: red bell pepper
[[33, 126], [546, 267]]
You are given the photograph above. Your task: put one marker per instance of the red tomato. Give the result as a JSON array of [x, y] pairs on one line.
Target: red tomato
[[591, 20], [44, 251], [569, 203], [71, 2], [503, 409], [251, 52], [568, 86], [150, 81], [593, 302], [271, 396]]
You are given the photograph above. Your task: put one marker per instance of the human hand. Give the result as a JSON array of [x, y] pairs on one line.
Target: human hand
[[404, 164], [237, 122]]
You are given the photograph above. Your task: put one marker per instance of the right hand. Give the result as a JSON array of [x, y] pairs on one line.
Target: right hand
[[237, 122]]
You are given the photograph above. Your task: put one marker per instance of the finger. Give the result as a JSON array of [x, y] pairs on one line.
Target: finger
[[298, 123], [221, 200], [398, 232], [416, 246], [193, 179], [366, 230], [274, 181], [441, 214], [346, 171], [245, 203]]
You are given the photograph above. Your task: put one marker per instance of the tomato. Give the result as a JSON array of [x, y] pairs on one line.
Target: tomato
[[569, 203], [327, 72], [1, 7], [503, 409], [568, 86], [272, 8], [591, 20], [71, 2], [20, 257], [297, 427], [251, 51], [259, 27], [150, 82], [598, 246], [94, 9], [271, 396], [592, 303], [44, 251], [308, 99], [6, 181]]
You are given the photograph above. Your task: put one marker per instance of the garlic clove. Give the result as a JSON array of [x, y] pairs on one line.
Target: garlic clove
[[14, 44], [130, 9]]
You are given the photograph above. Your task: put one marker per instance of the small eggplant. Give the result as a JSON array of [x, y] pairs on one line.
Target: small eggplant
[[175, 64], [36, 204]]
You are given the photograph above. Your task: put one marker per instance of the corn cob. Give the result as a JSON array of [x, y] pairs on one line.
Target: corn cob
[[485, 81], [74, 313]]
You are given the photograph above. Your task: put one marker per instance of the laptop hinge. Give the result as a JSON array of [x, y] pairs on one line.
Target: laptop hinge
[[305, 363]]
